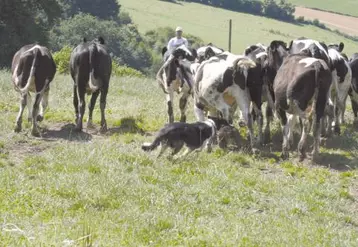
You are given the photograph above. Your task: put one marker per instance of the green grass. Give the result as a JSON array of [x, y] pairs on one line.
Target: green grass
[[103, 190], [212, 24], [347, 7]]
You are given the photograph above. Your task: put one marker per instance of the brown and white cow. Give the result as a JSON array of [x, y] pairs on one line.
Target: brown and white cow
[[33, 68], [220, 85], [301, 89], [91, 68]]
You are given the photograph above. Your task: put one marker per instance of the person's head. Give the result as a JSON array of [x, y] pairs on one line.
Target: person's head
[[179, 32]]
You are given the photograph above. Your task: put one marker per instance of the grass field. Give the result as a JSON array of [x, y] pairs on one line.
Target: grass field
[[348, 7], [68, 189], [211, 24]]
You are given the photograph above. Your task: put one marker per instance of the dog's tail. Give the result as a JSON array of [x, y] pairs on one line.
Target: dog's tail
[[151, 146]]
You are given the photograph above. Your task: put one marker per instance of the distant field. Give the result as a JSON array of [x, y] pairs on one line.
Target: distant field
[[349, 7], [211, 24], [346, 24]]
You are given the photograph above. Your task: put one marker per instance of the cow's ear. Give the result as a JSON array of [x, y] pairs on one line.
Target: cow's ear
[[101, 40], [341, 46], [164, 50], [273, 45], [247, 51], [194, 54], [209, 53]]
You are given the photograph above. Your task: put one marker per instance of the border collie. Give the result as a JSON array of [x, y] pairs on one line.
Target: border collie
[[193, 135]]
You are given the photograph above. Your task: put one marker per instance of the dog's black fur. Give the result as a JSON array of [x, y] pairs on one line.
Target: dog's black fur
[[193, 135]]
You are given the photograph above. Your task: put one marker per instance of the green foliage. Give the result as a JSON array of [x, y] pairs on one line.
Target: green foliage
[[122, 71], [62, 60], [24, 22], [124, 42]]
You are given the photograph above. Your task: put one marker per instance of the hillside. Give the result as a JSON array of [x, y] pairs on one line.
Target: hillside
[[211, 24], [348, 7]]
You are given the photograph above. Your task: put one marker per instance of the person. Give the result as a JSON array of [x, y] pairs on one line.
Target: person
[[178, 40]]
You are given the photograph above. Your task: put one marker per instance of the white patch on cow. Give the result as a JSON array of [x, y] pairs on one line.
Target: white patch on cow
[[201, 50], [261, 54], [308, 61], [194, 68], [334, 55], [15, 77], [307, 43], [93, 84]]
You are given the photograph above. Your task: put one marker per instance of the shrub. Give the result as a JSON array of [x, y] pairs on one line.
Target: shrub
[[119, 70], [62, 60]]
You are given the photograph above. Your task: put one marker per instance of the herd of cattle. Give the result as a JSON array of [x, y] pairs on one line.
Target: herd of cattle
[[305, 82]]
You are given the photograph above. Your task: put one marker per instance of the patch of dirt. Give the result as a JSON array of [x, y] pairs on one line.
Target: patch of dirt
[[345, 24]]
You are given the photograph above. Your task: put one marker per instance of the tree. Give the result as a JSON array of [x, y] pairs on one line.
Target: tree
[[24, 22]]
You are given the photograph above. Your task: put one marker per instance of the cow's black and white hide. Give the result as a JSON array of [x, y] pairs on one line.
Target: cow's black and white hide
[[353, 92], [206, 52], [341, 78], [33, 68], [176, 76], [276, 53], [301, 88], [91, 69], [219, 85], [195, 136]]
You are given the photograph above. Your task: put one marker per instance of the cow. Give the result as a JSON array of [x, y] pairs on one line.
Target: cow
[[276, 53], [353, 92], [341, 78], [33, 69], [91, 69], [301, 89], [175, 75], [206, 52], [219, 85]]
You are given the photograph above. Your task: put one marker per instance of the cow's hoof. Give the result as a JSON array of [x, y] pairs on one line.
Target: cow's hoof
[[103, 129], [17, 129], [285, 155], [90, 125], [302, 157], [78, 129], [39, 118], [242, 124], [35, 133], [183, 119], [337, 130]]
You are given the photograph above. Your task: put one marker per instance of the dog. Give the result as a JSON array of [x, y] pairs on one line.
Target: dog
[[195, 136]]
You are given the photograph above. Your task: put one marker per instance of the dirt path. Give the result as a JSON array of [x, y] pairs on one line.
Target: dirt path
[[342, 23]]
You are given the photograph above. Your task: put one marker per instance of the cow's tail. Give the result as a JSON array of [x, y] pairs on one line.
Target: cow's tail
[[147, 146], [318, 68], [94, 82], [31, 78]]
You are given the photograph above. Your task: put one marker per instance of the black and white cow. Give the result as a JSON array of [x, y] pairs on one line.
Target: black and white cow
[[220, 84], [301, 89], [353, 92], [91, 69], [33, 68], [206, 52], [176, 76], [341, 77]]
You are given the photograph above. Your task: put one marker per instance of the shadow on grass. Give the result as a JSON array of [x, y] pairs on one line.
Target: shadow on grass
[[66, 132], [336, 162], [127, 125]]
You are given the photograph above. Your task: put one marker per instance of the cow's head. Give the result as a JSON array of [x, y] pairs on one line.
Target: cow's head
[[338, 47], [257, 53], [206, 52], [276, 53], [339, 63], [241, 69]]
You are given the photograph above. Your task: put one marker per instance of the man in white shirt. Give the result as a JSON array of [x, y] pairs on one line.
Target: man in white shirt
[[178, 40]]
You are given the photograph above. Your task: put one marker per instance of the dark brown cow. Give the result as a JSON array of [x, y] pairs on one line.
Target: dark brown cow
[[301, 90], [91, 68], [32, 70]]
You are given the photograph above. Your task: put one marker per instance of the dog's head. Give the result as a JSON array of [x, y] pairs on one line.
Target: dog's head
[[218, 122]]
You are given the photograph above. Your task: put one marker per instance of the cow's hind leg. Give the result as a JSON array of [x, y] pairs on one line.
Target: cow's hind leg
[[182, 106], [302, 145], [29, 108], [75, 103], [81, 107], [103, 102], [285, 130], [269, 119], [170, 97], [44, 104], [23, 102], [35, 111], [355, 111], [91, 108]]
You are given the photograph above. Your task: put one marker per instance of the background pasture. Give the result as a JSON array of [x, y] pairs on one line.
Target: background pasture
[[212, 24], [68, 189]]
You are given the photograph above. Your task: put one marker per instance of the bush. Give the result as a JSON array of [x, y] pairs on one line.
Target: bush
[[118, 70], [62, 60]]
